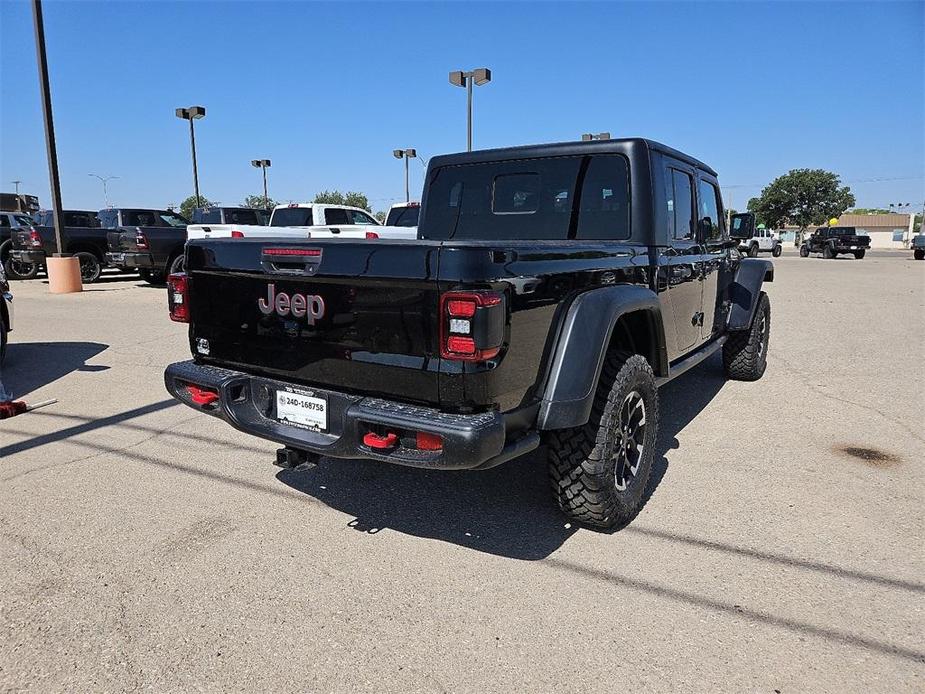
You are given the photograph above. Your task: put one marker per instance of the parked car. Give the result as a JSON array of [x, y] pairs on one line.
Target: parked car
[[831, 241], [228, 215], [6, 314], [762, 240], [15, 269], [307, 220], [438, 353], [403, 214], [918, 247], [81, 235], [150, 241]]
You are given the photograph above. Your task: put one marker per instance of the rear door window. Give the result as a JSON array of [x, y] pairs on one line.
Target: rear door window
[[680, 205], [335, 215], [604, 204], [711, 223]]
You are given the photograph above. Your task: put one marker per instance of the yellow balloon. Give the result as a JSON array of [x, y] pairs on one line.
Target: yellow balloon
[[833, 221]]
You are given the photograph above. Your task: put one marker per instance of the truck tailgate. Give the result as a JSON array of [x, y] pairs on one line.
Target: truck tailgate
[[351, 315]]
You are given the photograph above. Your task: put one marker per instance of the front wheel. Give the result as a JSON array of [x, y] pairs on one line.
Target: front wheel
[[804, 252], [599, 471], [90, 268], [859, 254], [919, 254], [753, 251], [777, 250], [745, 353]]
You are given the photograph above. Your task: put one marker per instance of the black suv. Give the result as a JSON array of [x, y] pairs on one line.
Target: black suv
[[551, 291], [830, 241]]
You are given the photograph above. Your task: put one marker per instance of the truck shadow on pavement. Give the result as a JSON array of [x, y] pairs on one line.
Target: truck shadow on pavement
[[507, 511], [32, 365]]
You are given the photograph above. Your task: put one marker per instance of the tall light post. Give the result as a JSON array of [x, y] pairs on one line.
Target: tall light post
[[103, 180], [460, 78], [405, 154], [192, 113], [16, 183], [263, 164], [587, 137]]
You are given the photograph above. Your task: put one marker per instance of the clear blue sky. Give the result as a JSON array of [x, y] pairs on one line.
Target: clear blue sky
[[328, 90]]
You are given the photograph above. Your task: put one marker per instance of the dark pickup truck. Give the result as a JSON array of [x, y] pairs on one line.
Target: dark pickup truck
[[9, 222], [552, 289], [82, 235], [230, 215], [150, 241], [831, 241]]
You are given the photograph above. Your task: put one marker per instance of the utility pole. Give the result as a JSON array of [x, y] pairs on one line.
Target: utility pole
[[405, 154]]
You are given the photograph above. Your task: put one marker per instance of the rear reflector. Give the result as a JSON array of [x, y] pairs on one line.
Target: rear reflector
[[237, 234], [178, 297], [305, 252], [372, 235], [460, 345]]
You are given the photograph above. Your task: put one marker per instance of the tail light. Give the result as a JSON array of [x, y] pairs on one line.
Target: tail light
[[35, 239], [471, 325], [235, 234], [372, 235], [141, 241], [178, 297]]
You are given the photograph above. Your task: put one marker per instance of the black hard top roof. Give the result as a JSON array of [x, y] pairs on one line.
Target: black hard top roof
[[555, 149]]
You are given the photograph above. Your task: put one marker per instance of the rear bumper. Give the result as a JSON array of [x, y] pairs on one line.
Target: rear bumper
[[28, 256], [130, 261], [248, 403], [850, 248]]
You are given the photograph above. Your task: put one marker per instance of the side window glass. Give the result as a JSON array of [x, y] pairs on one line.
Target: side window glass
[[709, 217], [680, 205], [335, 215], [604, 205], [362, 218]]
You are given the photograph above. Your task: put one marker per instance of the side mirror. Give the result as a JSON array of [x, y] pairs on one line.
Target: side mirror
[[742, 226]]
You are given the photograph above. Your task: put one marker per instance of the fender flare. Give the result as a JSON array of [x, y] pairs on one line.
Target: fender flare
[[745, 289], [578, 357]]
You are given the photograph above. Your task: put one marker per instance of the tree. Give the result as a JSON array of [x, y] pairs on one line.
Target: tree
[[381, 215], [802, 197], [335, 197], [869, 210], [257, 202], [190, 204]]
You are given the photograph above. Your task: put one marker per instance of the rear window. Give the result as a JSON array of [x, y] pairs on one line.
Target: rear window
[[403, 216], [244, 217], [152, 218], [292, 217], [530, 199]]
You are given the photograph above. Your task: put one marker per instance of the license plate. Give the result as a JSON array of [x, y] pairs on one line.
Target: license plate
[[854, 248], [302, 410]]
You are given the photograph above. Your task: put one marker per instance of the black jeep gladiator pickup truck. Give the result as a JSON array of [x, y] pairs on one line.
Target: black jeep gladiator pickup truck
[[830, 241], [81, 235], [552, 289], [150, 241]]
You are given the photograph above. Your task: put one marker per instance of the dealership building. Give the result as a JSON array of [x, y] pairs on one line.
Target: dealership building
[[885, 230]]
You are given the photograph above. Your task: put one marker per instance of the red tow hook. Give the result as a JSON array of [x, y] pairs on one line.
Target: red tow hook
[[201, 396], [381, 443]]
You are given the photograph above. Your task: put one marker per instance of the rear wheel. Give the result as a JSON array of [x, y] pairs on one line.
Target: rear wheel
[[176, 264], [90, 268], [804, 251], [828, 253], [599, 471], [753, 251], [859, 254], [777, 250], [745, 353], [919, 254], [16, 270]]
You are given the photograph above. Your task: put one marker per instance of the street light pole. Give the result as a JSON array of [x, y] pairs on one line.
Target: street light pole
[[405, 154], [16, 183], [58, 215], [263, 164], [103, 180], [191, 114], [459, 78]]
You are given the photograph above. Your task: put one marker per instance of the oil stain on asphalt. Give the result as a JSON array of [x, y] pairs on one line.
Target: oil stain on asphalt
[[872, 456]]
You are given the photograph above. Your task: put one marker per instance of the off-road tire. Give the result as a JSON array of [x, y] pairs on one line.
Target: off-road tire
[[859, 254], [176, 264], [918, 254], [753, 251], [745, 353], [828, 253], [777, 250], [804, 251], [90, 267], [583, 461]]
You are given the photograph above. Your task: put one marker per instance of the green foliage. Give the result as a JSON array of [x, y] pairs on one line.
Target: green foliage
[[257, 202], [381, 215], [188, 205], [869, 210], [802, 197], [335, 197]]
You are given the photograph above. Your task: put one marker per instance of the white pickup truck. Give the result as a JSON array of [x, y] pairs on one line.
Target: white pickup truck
[[307, 220]]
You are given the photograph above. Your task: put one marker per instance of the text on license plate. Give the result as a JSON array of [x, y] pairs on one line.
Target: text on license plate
[[302, 410]]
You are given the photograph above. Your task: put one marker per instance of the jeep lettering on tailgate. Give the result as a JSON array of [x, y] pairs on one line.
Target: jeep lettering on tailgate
[[310, 306]]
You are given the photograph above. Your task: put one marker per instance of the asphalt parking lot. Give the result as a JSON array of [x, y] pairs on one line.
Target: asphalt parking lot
[[145, 546]]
